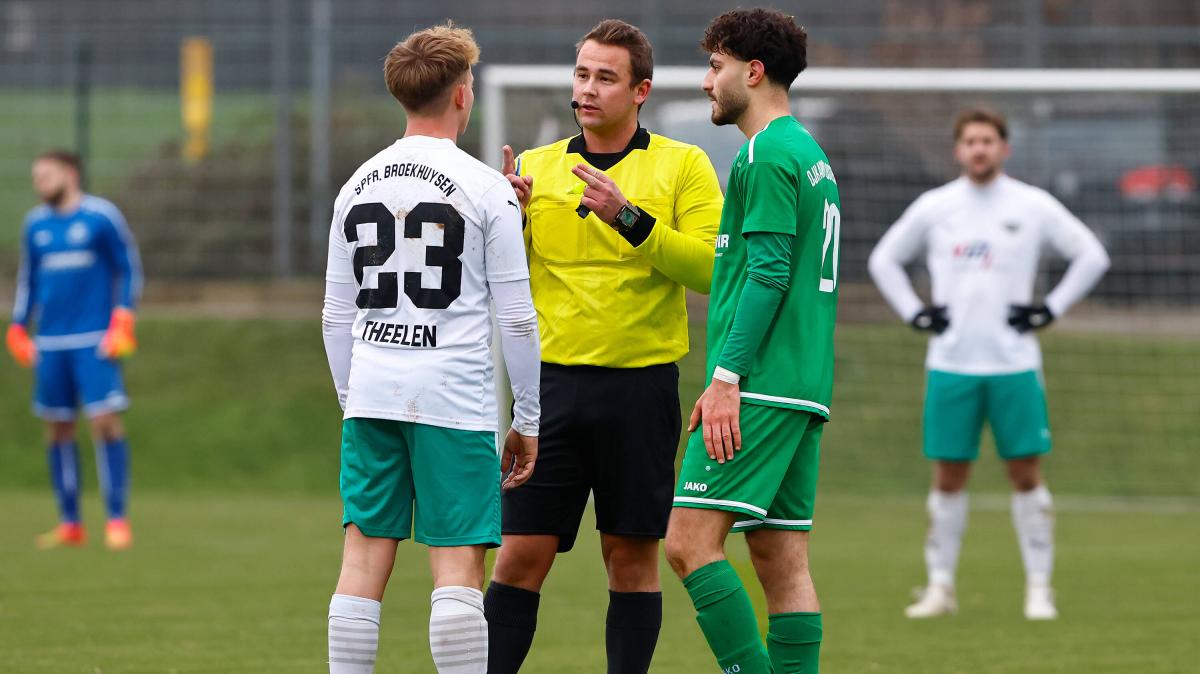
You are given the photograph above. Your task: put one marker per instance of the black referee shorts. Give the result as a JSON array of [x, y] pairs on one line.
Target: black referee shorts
[[609, 431]]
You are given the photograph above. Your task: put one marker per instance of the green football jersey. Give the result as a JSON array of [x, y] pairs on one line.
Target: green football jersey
[[781, 182]]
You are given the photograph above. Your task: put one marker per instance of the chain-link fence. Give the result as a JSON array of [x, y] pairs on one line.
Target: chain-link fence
[[297, 99]]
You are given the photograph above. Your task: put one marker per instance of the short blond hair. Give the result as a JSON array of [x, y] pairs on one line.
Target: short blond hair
[[420, 70]]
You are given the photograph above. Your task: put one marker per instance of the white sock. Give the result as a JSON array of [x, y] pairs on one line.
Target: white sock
[[458, 632], [1033, 518], [353, 634], [947, 522]]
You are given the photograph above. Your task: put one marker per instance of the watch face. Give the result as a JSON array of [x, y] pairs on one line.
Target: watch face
[[626, 217]]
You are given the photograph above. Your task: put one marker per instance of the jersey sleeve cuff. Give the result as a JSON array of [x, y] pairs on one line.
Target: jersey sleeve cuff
[[1055, 305], [910, 311], [727, 376], [528, 429]]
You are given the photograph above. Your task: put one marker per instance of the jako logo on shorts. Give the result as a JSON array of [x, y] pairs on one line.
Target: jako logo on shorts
[[700, 487]]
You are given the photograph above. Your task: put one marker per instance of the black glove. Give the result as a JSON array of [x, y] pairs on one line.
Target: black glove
[[1026, 317], [931, 319]]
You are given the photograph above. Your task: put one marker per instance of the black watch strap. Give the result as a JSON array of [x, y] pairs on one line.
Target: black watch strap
[[641, 229]]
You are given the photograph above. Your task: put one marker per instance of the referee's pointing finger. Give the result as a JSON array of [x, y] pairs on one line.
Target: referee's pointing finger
[[510, 164], [582, 173], [589, 175]]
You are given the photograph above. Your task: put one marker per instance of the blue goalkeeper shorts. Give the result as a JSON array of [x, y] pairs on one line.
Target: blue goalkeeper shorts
[[70, 379]]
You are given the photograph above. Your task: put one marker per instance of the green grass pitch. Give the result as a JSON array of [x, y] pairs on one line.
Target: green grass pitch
[[234, 434], [240, 583]]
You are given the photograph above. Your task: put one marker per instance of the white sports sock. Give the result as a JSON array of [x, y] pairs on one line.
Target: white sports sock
[[458, 632], [353, 634], [947, 522], [1033, 518]]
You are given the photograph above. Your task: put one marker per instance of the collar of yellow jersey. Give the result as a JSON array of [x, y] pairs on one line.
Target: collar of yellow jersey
[[606, 160]]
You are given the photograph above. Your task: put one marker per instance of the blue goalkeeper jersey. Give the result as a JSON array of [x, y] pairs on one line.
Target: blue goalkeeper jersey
[[75, 269]]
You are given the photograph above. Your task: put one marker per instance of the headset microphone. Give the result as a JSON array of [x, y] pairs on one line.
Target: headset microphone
[[580, 210], [575, 114]]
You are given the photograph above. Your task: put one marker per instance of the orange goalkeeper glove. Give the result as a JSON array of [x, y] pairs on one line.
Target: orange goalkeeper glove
[[119, 341], [20, 345]]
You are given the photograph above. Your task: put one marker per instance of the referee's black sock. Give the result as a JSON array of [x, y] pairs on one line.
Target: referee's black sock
[[511, 614], [634, 620]]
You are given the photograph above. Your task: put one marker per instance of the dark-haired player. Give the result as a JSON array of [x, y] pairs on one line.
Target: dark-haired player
[[79, 279], [982, 235], [751, 462]]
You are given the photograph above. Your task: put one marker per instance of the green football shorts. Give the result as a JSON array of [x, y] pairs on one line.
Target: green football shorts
[[451, 476], [772, 479], [956, 405]]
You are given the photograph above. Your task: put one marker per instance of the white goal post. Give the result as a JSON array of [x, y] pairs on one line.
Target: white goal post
[[498, 78]]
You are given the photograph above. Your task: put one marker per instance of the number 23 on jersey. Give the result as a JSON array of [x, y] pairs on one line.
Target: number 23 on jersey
[[445, 256]]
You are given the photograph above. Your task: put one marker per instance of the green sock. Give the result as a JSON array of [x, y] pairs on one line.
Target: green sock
[[794, 642], [727, 619]]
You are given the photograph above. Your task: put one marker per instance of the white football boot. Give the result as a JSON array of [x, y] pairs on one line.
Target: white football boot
[[1039, 603], [933, 601]]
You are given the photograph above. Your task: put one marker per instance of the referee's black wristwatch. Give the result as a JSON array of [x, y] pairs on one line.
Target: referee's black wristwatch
[[633, 224], [626, 218]]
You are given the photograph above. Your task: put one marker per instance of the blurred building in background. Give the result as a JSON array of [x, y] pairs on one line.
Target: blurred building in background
[[298, 102]]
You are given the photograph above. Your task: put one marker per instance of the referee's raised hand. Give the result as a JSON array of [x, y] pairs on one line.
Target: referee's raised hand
[[601, 195], [522, 185]]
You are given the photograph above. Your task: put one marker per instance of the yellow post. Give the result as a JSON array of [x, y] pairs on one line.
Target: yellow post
[[196, 95]]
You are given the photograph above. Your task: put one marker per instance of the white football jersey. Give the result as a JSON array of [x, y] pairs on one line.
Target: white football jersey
[[421, 229], [982, 245]]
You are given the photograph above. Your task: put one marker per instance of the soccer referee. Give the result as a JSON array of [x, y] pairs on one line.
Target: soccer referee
[[609, 294]]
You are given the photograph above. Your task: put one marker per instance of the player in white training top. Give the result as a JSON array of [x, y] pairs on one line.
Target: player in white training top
[[424, 238], [982, 236]]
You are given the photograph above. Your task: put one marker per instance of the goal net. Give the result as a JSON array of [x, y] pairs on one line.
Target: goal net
[[1119, 148]]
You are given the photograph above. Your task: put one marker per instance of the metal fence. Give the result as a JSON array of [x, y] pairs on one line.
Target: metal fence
[[298, 101]]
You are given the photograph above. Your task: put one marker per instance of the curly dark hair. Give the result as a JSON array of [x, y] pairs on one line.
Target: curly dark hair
[[759, 34]]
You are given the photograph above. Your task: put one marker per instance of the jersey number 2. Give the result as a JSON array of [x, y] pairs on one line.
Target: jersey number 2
[[832, 224], [387, 295]]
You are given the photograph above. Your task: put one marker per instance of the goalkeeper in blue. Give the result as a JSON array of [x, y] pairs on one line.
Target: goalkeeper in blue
[[78, 282], [982, 236]]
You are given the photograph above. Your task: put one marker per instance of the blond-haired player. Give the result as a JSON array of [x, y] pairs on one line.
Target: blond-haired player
[[424, 238]]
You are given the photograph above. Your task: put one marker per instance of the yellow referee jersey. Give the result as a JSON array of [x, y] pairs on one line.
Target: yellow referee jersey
[[600, 299]]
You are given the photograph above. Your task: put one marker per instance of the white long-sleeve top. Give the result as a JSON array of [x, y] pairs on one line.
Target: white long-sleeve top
[[982, 245], [518, 342], [424, 238]]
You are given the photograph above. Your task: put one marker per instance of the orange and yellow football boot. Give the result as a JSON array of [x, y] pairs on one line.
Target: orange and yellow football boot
[[65, 534], [118, 535]]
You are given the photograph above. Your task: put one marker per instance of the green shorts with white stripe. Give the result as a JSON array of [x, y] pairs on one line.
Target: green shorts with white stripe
[[772, 479]]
